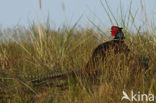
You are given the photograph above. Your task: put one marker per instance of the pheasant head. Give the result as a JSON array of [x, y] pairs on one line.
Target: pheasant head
[[117, 33]]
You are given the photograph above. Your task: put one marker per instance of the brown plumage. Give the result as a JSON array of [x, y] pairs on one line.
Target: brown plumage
[[100, 53]]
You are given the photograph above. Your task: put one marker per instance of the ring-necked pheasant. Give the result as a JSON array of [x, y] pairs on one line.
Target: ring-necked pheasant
[[117, 45]]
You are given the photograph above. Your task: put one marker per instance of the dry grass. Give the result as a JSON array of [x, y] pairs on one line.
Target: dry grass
[[44, 51]]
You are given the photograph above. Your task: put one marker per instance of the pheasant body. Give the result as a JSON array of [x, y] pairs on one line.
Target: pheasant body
[[116, 45]]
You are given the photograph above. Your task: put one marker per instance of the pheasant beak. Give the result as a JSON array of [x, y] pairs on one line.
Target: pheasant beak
[[109, 30]]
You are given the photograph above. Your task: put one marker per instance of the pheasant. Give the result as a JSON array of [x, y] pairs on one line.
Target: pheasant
[[100, 53]]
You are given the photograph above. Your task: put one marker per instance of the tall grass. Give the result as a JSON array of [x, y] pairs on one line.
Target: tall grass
[[40, 50]]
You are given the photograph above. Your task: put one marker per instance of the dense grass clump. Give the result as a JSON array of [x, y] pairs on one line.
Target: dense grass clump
[[41, 51]]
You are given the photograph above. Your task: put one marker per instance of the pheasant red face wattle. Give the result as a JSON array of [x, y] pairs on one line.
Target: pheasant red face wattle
[[114, 30]]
